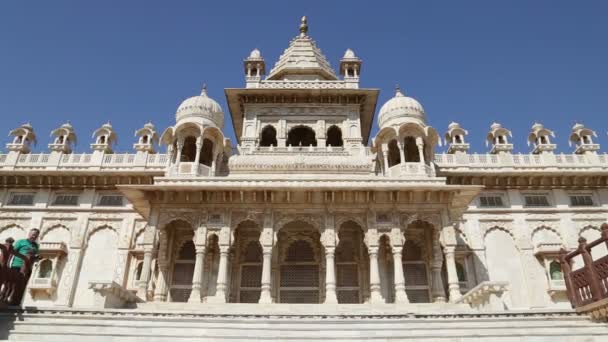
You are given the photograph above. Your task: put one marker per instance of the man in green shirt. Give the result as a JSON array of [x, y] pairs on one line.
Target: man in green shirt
[[25, 247]]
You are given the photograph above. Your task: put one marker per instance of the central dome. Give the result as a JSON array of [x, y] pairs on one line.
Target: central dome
[[401, 109], [201, 109]]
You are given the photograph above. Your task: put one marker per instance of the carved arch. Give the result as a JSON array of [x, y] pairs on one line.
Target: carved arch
[[96, 229]]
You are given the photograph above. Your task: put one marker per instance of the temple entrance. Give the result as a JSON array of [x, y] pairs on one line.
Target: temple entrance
[[300, 268]]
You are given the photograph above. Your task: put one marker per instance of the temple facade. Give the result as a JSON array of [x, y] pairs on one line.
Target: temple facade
[[306, 206]]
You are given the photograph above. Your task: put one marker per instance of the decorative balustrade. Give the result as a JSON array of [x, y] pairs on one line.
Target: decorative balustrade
[[85, 161], [411, 170], [12, 281], [488, 296], [520, 160], [292, 150], [587, 286]]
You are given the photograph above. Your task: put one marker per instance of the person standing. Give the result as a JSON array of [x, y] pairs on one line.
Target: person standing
[[26, 247]]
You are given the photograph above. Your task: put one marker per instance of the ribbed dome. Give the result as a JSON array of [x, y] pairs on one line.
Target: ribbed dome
[[201, 107], [399, 109]]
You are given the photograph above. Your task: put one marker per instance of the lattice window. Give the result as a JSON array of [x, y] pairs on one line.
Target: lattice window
[[300, 251], [299, 275], [347, 270], [416, 281], [183, 271]]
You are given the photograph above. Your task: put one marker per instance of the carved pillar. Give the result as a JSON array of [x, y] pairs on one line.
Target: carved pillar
[[328, 239], [149, 239], [420, 151], [197, 157], [400, 295], [374, 276], [222, 274], [385, 158], [265, 295], [437, 288], [197, 277], [330, 276], [144, 279], [160, 293], [401, 152], [266, 240], [180, 145], [450, 264]]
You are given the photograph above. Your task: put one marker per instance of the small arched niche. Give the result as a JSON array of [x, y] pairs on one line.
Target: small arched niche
[[268, 137], [394, 156], [410, 150], [334, 136], [206, 156]]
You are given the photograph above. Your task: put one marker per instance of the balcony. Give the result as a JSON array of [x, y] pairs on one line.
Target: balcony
[[587, 284], [413, 170], [190, 169]]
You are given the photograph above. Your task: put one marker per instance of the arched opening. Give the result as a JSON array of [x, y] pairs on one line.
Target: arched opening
[[417, 285], [45, 269], [410, 149], [183, 270], [189, 149], [394, 157], [301, 136], [502, 139], [60, 139], [268, 136], [351, 264], [144, 139], [206, 156], [247, 268], [334, 136], [102, 139], [299, 264], [458, 139]]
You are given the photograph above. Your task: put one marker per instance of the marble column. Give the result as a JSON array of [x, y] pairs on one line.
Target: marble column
[[222, 276], [197, 157], [144, 279], [450, 264], [160, 293], [374, 276], [197, 277], [330, 276], [437, 289], [400, 295], [265, 295], [401, 152], [421, 152]]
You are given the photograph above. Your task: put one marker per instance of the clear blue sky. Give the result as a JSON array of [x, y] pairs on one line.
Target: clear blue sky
[[474, 62]]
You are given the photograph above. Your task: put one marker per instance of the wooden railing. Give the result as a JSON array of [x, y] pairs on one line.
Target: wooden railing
[[13, 281], [587, 285]]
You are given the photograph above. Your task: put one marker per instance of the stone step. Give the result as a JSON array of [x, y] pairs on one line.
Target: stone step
[[136, 325]]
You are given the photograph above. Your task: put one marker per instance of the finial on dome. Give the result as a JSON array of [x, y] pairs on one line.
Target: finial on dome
[[398, 92], [303, 26], [204, 91]]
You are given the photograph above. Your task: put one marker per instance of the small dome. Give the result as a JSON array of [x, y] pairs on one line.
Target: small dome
[[495, 126], [537, 126], [201, 107], [401, 108], [349, 54], [255, 53], [577, 126], [453, 125]]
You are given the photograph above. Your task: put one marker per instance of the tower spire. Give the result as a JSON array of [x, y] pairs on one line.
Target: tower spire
[[303, 26]]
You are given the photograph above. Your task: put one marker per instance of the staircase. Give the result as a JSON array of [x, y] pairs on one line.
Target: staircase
[[306, 323]]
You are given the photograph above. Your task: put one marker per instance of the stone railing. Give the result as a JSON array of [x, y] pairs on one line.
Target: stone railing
[[587, 286], [303, 84], [521, 160], [488, 296], [85, 161], [189, 169], [411, 170], [108, 294], [330, 150]]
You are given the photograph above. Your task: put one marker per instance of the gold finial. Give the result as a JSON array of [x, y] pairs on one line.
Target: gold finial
[[303, 26], [204, 91], [398, 90]]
